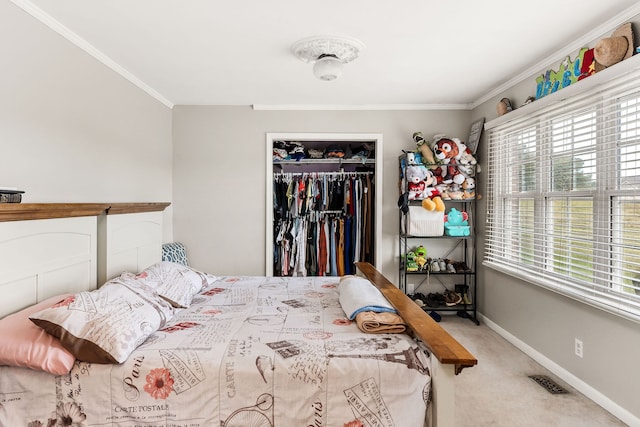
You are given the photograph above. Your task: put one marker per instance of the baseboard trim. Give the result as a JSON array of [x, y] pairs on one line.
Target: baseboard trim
[[575, 382]]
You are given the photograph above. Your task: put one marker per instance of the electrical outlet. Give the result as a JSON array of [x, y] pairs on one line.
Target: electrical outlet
[[579, 348]]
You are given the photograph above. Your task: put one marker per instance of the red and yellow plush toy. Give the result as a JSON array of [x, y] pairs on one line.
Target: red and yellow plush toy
[[431, 196], [455, 157]]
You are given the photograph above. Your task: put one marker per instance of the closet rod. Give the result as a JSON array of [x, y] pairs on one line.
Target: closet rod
[[321, 173]]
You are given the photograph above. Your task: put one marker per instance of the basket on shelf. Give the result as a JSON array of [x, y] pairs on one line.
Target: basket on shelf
[[10, 195]]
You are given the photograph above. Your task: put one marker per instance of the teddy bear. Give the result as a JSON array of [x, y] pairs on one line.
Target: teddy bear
[[416, 186], [469, 188]]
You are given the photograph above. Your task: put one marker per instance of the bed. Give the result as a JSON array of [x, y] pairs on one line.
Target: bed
[[247, 351]]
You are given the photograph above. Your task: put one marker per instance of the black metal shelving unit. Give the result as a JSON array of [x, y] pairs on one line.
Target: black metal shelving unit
[[460, 251]]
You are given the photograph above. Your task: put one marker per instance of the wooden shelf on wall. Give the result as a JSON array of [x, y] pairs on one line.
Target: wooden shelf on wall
[[29, 211], [123, 208]]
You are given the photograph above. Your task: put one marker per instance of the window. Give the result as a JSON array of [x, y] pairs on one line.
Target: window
[[563, 199]]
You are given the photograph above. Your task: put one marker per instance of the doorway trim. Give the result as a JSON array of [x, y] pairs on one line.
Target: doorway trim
[[375, 138]]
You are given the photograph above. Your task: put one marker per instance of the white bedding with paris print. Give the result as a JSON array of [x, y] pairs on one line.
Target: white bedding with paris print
[[250, 351]]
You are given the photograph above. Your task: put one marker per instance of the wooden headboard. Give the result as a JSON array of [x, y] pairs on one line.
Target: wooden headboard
[[51, 252], [129, 238], [47, 249]]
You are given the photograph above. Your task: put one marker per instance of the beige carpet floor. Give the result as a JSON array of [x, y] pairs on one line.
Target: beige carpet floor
[[499, 392]]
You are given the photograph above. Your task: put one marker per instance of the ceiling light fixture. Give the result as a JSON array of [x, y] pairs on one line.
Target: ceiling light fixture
[[328, 54]]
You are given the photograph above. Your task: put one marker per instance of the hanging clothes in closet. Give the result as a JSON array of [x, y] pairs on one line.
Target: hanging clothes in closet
[[323, 222]]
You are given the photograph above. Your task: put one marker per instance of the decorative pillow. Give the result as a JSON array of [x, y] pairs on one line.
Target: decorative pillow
[[175, 282], [106, 325], [175, 252], [28, 346]]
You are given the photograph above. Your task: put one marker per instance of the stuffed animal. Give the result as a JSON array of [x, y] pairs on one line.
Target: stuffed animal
[[431, 195], [456, 223], [412, 265], [450, 174], [455, 191], [424, 148], [455, 157], [421, 257], [467, 162], [469, 188], [443, 189], [413, 158], [446, 150], [416, 186], [452, 151]]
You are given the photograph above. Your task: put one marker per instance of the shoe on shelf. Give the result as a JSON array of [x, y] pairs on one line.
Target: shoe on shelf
[[451, 268], [463, 268], [417, 296], [435, 267], [451, 298], [434, 300], [461, 288], [466, 300], [442, 265]]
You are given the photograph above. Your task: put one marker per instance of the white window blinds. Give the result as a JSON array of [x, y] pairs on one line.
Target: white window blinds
[[563, 199]]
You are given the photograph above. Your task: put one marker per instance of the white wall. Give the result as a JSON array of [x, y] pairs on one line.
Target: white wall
[[71, 129], [220, 172], [549, 322]]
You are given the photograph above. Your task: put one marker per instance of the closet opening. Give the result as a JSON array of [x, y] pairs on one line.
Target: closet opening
[[323, 206]]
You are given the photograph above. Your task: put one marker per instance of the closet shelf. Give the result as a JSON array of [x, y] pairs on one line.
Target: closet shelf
[[324, 161]]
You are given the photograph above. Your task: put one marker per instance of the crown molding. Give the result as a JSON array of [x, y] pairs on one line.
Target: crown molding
[[359, 107], [556, 57], [65, 32], [561, 54]]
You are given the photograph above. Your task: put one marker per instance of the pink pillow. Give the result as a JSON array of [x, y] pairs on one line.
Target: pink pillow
[[26, 345]]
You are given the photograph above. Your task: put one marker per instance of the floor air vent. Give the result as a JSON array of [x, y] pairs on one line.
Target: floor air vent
[[550, 385]]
